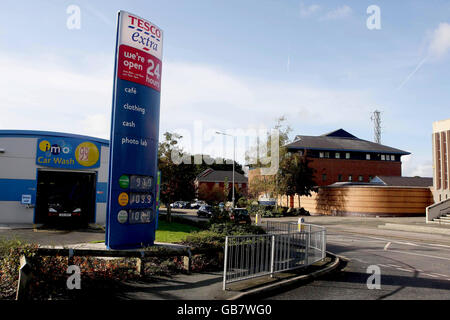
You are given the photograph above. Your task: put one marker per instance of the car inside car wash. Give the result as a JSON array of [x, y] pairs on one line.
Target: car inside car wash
[[51, 178]]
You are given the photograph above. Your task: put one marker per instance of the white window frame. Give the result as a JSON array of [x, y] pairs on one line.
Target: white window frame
[[367, 156], [337, 155], [383, 157], [347, 155]]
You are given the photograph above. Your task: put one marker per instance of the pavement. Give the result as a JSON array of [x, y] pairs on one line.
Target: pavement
[[209, 285], [413, 255]]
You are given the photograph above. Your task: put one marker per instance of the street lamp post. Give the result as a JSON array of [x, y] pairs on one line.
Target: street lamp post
[[234, 160]]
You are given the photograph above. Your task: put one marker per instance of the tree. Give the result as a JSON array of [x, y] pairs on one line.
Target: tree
[[295, 176], [270, 185], [226, 189], [177, 180]]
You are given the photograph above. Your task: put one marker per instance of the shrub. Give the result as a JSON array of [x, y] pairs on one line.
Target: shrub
[[204, 239], [242, 202], [304, 212], [280, 211], [229, 229], [219, 216]]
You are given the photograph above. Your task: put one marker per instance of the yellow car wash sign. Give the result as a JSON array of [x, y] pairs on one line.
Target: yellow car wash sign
[[67, 153]]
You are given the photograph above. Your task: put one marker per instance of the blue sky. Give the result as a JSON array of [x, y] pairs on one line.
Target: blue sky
[[238, 65]]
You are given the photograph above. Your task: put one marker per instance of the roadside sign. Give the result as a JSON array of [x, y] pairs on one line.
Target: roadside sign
[[26, 199], [131, 207]]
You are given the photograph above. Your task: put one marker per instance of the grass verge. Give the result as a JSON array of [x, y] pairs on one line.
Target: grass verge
[[173, 232]]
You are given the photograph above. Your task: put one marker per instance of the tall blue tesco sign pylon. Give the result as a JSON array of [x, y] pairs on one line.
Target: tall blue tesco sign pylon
[[131, 207]]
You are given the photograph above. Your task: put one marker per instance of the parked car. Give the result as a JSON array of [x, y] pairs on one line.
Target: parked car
[[180, 205], [205, 211], [59, 207], [197, 204], [175, 204], [240, 216]]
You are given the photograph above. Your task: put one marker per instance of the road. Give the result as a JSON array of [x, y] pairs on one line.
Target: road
[[408, 270]]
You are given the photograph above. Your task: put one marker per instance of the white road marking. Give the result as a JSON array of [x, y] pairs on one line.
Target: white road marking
[[440, 275], [394, 265], [438, 245], [387, 246], [407, 270], [420, 255], [429, 275], [425, 244]]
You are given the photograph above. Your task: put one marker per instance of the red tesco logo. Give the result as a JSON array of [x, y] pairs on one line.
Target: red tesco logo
[[135, 21]]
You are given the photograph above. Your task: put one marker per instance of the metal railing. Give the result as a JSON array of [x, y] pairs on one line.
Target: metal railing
[[287, 246]]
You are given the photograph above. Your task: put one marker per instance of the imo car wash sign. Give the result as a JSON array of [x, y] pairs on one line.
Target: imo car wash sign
[[131, 208], [67, 153]]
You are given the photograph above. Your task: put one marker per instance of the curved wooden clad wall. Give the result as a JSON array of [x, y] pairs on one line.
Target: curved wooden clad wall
[[366, 201]]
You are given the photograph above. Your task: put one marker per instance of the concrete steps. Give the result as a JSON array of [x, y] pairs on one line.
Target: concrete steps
[[445, 219]]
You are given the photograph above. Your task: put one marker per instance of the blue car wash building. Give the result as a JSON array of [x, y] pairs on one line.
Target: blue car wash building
[[52, 178]]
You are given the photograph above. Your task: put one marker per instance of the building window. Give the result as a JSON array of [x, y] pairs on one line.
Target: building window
[[339, 177], [300, 153], [337, 155], [324, 177], [320, 154], [240, 185], [367, 156], [383, 157], [370, 178], [327, 154], [392, 157], [360, 178], [350, 178], [347, 155]]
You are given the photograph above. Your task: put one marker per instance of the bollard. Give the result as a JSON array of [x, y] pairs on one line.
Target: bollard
[[258, 219], [140, 264], [25, 276], [187, 261], [300, 223]]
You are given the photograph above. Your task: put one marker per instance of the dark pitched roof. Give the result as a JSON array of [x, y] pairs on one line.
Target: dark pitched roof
[[340, 140], [340, 133], [394, 181], [210, 175]]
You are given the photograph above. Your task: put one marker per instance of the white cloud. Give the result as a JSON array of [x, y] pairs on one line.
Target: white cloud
[[49, 94], [440, 40], [338, 13], [42, 94], [411, 167], [438, 46], [220, 99], [306, 11]]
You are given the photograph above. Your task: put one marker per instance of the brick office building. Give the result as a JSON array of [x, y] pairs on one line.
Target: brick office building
[[339, 156], [441, 160], [210, 181]]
